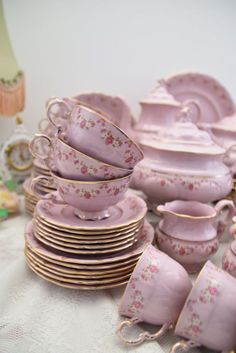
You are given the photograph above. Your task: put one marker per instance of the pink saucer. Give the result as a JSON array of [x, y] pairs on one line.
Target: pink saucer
[[144, 238], [130, 210], [214, 100]]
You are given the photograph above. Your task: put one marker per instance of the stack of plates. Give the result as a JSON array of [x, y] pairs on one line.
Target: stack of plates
[[83, 272], [75, 253], [39, 168]]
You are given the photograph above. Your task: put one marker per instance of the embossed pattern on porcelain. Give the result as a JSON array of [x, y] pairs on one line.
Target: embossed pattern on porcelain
[[229, 260], [208, 317], [90, 199], [171, 185], [183, 162], [155, 293], [107, 142], [73, 164], [190, 254]]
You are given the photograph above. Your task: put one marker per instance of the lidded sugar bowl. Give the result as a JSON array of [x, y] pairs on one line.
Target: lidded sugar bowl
[[182, 162]]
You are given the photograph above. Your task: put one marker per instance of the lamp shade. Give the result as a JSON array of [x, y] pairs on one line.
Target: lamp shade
[[12, 87]]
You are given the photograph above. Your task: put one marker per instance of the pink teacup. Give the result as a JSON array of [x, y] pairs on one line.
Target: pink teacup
[[155, 294], [71, 163], [91, 133], [229, 259], [91, 199], [208, 317]]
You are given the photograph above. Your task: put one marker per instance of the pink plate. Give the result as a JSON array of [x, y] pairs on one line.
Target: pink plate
[[114, 107], [214, 100], [130, 210], [144, 238]]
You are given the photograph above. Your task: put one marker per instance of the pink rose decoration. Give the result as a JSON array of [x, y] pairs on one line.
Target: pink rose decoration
[[109, 140], [84, 169], [87, 195], [82, 123]]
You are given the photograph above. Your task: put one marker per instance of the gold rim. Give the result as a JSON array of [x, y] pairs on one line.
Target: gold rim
[[86, 239], [83, 252], [72, 271], [182, 215], [56, 176], [91, 110], [108, 264], [85, 246], [80, 275], [61, 226], [78, 281], [92, 234], [73, 286], [93, 159]]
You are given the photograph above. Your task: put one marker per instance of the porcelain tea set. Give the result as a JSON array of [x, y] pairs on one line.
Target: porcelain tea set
[[89, 232]]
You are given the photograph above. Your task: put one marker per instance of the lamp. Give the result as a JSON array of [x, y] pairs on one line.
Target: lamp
[[12, 87]]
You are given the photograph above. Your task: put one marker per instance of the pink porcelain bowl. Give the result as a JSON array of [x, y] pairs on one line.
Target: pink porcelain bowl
[[155, 294], [91, 199], [93, 134], [71, 163], [190, 254], [208, 317], [229, 259]]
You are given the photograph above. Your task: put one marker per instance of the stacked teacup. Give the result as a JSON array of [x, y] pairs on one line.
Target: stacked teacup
[[88, 234], [91, 160]]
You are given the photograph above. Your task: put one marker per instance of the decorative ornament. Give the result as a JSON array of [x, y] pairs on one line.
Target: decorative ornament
[[12, 87]]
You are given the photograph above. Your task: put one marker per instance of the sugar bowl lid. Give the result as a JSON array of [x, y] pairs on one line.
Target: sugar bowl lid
[[227, 124], [160, 95], [184, 136]]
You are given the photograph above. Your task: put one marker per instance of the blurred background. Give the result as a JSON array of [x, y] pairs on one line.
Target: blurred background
[[117, 47]]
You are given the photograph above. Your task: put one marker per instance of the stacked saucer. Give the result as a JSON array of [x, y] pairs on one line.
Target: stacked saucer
[[90, 233]]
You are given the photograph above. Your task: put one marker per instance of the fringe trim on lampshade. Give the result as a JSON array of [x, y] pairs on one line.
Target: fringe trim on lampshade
[[12, 95]]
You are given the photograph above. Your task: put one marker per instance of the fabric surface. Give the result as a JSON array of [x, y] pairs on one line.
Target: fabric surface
[[36, 316]]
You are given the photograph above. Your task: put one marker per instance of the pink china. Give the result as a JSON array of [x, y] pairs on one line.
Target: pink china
[[91, 199], [229, 259], [187, 232], [155, 294], [71, 163], [93, 134], [182, 163], [208, 317]]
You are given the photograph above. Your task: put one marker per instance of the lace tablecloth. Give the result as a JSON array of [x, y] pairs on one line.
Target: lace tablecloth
[[36, 316]]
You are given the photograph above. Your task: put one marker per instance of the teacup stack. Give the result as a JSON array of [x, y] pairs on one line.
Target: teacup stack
[[89, 220]]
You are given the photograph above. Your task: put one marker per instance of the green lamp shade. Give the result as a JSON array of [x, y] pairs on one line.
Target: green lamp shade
[[12, 87]]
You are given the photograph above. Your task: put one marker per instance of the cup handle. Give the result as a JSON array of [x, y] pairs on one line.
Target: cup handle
[[231, 212], [49, 109], [144, 336], [33, 144], [183, 346], [33, 186]]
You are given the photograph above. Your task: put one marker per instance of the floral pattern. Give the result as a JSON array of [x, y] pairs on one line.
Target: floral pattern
[[194, 323], [130, 155], [229, 263], [180, 248], [88, 193], [147, 273], [82, 166]]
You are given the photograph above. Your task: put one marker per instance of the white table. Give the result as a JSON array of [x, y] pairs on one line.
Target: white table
[[39, 317]]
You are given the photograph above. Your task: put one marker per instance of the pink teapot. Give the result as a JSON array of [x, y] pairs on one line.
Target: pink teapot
[[183, 162]]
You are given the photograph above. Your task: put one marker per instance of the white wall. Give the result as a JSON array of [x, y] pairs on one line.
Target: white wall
[[116, 46]]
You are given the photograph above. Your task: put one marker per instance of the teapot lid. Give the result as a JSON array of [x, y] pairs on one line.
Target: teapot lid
[[184, 136], [160, 95], [228, 123]]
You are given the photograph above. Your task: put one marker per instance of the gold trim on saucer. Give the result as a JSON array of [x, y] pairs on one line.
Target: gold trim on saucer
[[73, 286], [103, 265], [83, 272]]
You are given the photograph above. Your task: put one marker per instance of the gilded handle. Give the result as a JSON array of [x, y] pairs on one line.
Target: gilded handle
[[54, 118], [144, 336], [183, 346]]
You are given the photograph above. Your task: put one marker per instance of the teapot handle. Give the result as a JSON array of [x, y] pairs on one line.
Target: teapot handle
[[195, 103], [228, 218]]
